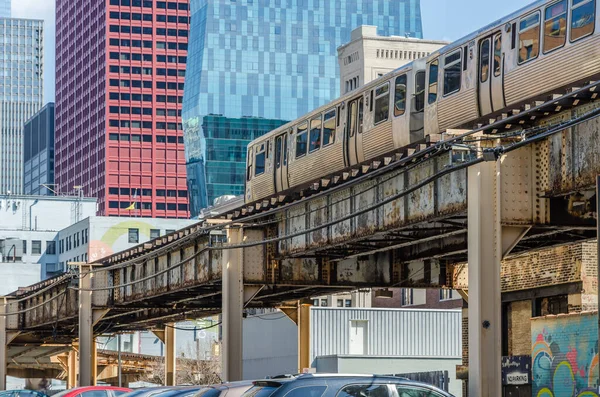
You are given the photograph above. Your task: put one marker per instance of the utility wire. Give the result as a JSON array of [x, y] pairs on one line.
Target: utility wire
[[527, 141]]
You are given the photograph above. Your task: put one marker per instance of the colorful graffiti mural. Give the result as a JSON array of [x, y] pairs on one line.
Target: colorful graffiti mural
[[564, 356]]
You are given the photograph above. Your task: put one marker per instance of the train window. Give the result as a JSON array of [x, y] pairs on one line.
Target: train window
[[484, 60], [400, 96], [249, 164], [259, 160], [329, 127], [555, 26], [529, 37], [278, 143], [420, 91], [497, 55], [382, 103], [433, 81], [452, 72], [301, 140], [582, 18], [315, 135]]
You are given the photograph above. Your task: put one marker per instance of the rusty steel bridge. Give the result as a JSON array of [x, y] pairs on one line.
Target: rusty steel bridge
[[400, 221]]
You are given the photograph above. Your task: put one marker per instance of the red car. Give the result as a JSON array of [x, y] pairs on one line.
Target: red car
[[94, 391]]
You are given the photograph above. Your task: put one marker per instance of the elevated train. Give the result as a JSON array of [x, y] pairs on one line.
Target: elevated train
[[541, 49]]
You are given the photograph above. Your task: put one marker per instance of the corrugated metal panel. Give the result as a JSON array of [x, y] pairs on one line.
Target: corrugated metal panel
[[391, 332]]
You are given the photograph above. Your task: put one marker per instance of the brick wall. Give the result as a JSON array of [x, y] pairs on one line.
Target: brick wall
[[552, 266], [589, 276], [564, 354], [519, 328]]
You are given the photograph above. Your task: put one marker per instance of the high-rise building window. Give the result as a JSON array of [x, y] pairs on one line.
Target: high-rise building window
[[51, 247], [36, 247], [133, 236], [407, 297], [24, 246]]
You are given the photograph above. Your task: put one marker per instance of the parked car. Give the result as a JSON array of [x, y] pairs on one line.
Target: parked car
[[94, 391], [232, 389], [317, 385], [22, 393], [147, 391], [178, 391]]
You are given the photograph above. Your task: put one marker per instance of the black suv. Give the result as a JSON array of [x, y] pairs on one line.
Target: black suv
[[317, 385]]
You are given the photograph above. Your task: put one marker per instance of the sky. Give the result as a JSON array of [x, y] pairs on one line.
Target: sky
[[442, 20]]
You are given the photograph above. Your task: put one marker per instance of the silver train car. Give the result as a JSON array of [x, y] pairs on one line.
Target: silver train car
[[541, 49]]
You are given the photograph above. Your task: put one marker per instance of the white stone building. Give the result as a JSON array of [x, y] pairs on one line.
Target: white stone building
[[369, 56], [28, 229]]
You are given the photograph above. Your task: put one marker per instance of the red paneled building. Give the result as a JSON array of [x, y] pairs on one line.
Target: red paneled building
[[120, 69]]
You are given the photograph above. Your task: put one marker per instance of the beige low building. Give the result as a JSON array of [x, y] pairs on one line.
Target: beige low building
[[368, 56]]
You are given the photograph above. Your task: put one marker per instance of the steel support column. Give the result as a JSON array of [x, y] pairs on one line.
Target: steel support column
[[86, 329], [303, 337], [233, 306], [3, 344], [94, 362], [72, 369], [484, 257], [170, 356]]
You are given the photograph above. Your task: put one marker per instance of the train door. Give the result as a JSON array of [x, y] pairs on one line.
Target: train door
[[491, 70], [353, 131], [432, 125], [281, 163], [417, 108]]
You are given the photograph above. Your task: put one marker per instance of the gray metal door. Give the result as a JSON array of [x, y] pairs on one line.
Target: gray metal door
[[491, 97], [281, 160], [352, 132]]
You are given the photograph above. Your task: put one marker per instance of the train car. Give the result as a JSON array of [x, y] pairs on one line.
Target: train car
[[540, 49], [339, 135]]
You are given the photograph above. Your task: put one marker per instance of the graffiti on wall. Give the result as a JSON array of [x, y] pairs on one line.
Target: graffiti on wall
[[564, 356], [115, 239]]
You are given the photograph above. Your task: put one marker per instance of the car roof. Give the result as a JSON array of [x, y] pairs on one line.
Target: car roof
[[343, 378], [232, 385]]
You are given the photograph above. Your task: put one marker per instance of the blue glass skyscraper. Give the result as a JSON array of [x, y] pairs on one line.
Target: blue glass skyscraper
[[5, 9], [272, 59]]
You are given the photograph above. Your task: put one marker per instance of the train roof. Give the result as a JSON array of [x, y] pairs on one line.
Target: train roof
[[351, 95], [464, 40], [499, 22]]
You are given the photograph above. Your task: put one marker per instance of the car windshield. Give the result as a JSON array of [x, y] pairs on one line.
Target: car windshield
[[260, 391]]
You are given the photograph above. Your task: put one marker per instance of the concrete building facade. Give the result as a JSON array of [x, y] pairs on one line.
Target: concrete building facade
[[368, 55], [21, 93], [119, 90], [95, 237], [38, 153], [28, 229]]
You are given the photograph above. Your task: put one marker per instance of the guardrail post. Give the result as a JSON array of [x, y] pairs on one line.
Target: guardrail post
[[233, 306], [484, 257]]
